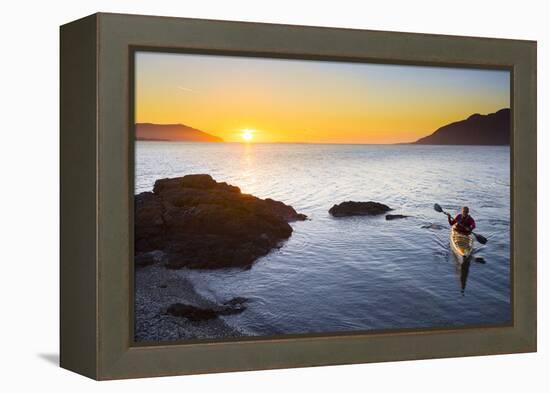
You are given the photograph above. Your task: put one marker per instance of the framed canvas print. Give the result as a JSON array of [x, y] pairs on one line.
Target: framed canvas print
[[241, 196]]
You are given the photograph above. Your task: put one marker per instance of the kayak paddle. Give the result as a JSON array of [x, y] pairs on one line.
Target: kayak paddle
[[480, 238]]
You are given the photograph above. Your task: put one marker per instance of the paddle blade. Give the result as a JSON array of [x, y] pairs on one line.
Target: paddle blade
[[480, 238], [438, 208]]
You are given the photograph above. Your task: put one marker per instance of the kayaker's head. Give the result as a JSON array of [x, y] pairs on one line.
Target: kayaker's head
[[465, 211]]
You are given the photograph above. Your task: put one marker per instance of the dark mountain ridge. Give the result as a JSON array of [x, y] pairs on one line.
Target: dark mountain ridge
[[490, 129], [172, 132]]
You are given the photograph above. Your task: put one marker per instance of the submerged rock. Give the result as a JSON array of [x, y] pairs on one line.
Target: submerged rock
[[351, 208], [430, 225], [199, 223], [395, 216], [236, 302]]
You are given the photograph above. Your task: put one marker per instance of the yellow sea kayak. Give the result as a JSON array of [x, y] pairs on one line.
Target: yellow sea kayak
[[461, 244]]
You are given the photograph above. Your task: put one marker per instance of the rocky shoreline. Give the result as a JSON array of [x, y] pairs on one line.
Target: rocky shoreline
[[194, 222], [156, 290]]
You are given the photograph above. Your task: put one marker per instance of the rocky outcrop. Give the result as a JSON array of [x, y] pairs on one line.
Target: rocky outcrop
[[194, 313], [199, 223], [351, 208], [395, 216], [490, 129]]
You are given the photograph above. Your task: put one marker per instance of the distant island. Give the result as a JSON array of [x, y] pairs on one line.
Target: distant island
[[490, 129], [172, 132]]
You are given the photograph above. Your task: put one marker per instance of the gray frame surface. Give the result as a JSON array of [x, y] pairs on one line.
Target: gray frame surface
[[97, 193]]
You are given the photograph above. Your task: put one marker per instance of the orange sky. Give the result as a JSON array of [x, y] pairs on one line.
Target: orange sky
[[310, 101]]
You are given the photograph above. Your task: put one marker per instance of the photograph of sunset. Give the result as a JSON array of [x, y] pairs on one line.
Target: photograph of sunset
[[285, 196], [273, 100]]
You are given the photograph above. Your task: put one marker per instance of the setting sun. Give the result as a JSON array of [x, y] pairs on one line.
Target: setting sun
[[247, 135]]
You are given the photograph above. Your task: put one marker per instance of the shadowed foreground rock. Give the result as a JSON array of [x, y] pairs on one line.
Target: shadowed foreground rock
[[193, 313], [199, 223], [352, 208]]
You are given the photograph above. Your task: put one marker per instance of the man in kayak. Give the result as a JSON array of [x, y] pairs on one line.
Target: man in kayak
[[464, 223]]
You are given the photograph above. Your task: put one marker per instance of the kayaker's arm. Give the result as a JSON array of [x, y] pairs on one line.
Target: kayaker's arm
[[451, 220], [470, 225]]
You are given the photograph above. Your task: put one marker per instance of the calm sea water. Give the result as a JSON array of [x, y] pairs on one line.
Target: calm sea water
[[358, 273]]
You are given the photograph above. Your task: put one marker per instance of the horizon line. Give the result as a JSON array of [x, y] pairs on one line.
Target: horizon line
[[316, 143], [324, 143]]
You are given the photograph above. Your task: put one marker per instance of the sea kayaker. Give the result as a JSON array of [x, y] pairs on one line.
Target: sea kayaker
[[463, 222]]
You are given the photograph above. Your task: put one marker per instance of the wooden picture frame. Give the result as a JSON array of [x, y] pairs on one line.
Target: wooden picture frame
[[97, 194]]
